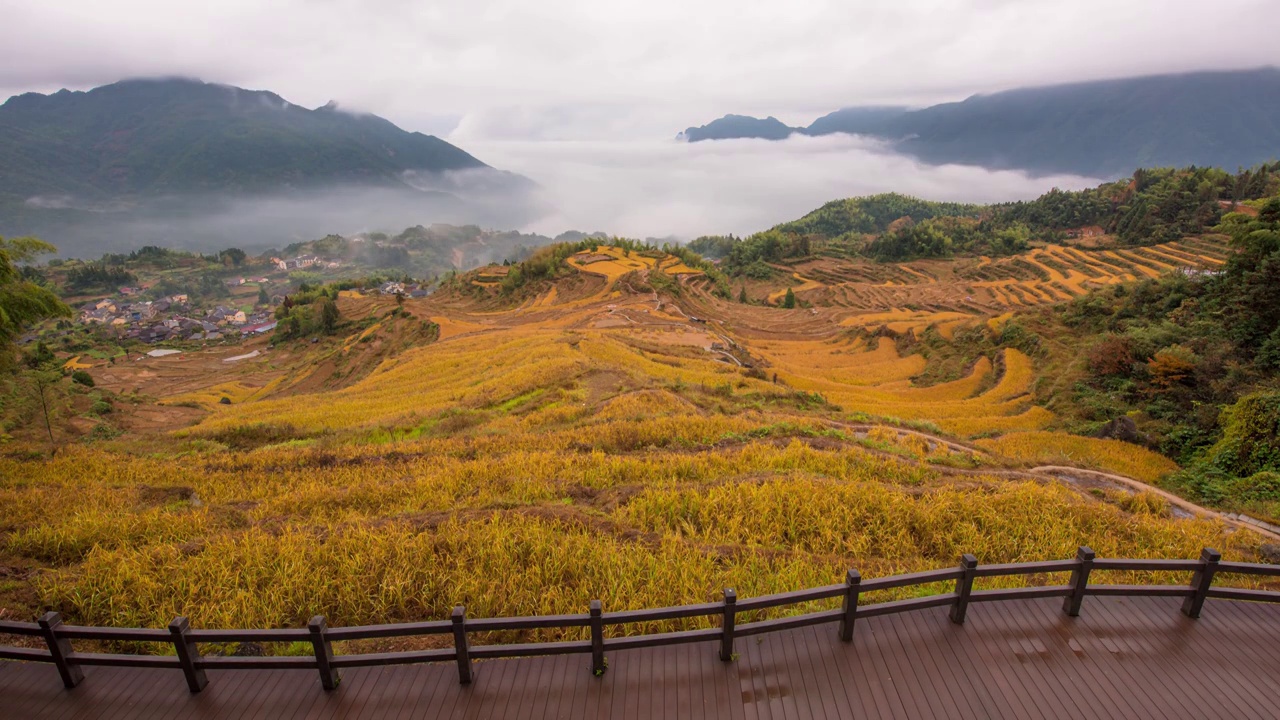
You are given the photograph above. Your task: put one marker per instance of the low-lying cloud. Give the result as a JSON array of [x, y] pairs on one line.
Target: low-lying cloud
[[669, 188], [255, 222], [641, 189]]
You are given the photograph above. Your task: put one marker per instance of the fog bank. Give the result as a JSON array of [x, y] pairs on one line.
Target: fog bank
[[663, 188]]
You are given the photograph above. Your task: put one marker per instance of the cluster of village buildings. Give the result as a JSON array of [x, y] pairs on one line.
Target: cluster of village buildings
[[304, 261], [172, 318]]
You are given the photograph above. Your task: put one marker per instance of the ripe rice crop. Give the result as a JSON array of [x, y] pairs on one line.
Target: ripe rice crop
[[1111, 455]]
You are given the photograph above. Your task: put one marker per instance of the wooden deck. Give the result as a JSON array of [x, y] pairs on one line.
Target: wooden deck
[[1122, 658]]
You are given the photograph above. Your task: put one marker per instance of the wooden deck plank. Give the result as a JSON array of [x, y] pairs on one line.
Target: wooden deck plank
[[1027, 643], [701, 682], [400, 687], [1139, 621], [983, 650], [642, 664], [750, 679], [1251, 693], [858, 689], [1123, 657], [349, 695], [778, 679], [490, 701], [886, 665], [1142, 673], [1095, 670], [923, 680], [934, 656], [34, 692], [503, 688], [811, 696], [296, 688], [825, 663]]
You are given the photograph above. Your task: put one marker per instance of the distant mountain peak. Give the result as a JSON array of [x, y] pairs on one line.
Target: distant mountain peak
[[1102, 129], [73, 162], [738, 126], [147, 136]]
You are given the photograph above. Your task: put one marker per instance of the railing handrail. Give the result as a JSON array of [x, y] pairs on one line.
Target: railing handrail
[[58, 637]]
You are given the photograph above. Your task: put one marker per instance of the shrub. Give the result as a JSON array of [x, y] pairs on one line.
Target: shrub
[[248, 437], [1113, 357], [83, 378], [1250, 436]]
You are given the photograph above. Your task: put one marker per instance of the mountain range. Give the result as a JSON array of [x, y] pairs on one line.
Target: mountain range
[[125, 159], [1103, 129]]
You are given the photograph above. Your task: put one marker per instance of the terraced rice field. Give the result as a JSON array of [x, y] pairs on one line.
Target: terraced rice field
[[1049, 274]]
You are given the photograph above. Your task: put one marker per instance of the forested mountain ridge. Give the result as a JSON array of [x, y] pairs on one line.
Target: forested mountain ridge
[[184, 163], [143, 137], [1104, 129]]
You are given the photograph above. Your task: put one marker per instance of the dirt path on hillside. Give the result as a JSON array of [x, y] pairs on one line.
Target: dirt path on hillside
[[1254, 524]]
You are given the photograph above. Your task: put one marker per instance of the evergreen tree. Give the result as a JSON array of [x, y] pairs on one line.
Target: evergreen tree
[[789, 301], [328, 316], [742, 295]]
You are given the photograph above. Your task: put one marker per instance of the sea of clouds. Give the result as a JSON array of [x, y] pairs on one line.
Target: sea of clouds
[[662, 188]]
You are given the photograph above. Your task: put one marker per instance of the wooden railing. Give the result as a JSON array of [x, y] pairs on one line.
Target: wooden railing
[[186, 641]]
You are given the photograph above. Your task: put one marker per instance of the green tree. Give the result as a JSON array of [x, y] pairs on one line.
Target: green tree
[[789, 300], [328, 316], [263, 297], [232, 256], [23, 302], [742, 294]]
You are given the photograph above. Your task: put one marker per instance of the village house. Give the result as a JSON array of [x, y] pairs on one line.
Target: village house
[[258, 328], [298, 263]]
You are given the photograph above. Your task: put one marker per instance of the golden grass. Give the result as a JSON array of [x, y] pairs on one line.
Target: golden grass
[[403, 532], [1060, 448], [875, 382], [805, 284], [211, 397], [73, 364]]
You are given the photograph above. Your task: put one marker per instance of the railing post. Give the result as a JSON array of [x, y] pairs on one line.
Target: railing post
[[964, 586], [1201, 581], [1079, 581], [853, 585], [460, 644], [727, 623], [597, 639], [188, 654], [60, 649], [329, 675]]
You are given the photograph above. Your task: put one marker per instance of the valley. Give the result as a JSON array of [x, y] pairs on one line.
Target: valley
[[616, 431]]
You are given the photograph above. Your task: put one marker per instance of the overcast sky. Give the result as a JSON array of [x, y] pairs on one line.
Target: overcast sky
[[585, 98], [556, 69]]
